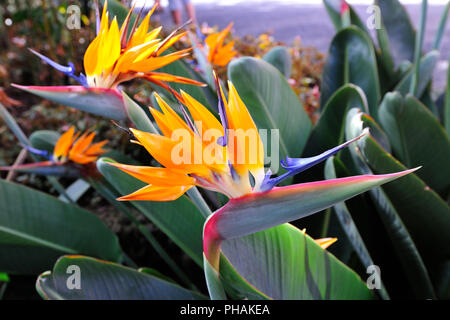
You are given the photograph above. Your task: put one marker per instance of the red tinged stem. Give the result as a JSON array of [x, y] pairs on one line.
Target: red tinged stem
[[212, 241], [344, 7]]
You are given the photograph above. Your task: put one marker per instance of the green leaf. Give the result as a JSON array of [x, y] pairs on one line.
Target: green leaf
[[348, 225], [441, 28], [417, 138], [400, 31], [102, 280], [107, 103], [180, 220], [329, 130], [284, 263], [281, 59], [351, 59], [427, 65], [213, 282], [35, 229], [419, 207], [411, 261], [272, 103], [44, 139], [137, 115]]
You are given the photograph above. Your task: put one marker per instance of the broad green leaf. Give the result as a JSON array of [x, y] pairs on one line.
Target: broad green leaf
[[411, 261], [284, 263], [400, 31], [107, 103], [44, 139], [419, 207], [103, 280], [329, 129], [417, 138], [281, 59], [427, 65], [35, 229], [351, 59], [272, 103], [180, 220]]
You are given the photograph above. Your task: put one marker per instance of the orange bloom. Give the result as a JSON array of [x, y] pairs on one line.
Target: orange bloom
[[220, 54], [224, 168], [114, 56], [79, 149]]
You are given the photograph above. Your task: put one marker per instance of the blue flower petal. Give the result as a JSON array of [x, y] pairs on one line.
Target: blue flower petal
[[69, 70], [297, 165], [42, 153]]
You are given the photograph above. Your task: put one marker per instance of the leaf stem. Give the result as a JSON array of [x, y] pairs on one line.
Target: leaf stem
[[418, 48]]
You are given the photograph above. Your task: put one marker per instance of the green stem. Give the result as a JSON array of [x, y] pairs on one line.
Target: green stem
[[418, 47], [201, 204], [441, 28]]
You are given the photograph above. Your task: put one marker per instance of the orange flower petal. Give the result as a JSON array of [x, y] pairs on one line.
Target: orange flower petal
[[156, 176], [64, 143], [153, 193], [325, 242]]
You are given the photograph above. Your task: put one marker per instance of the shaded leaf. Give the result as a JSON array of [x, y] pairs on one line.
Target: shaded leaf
[[102, 280], [35, 229]]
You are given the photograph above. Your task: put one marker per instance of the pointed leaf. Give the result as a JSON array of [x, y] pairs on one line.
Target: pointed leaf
[[254, 212], [103, 102]]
